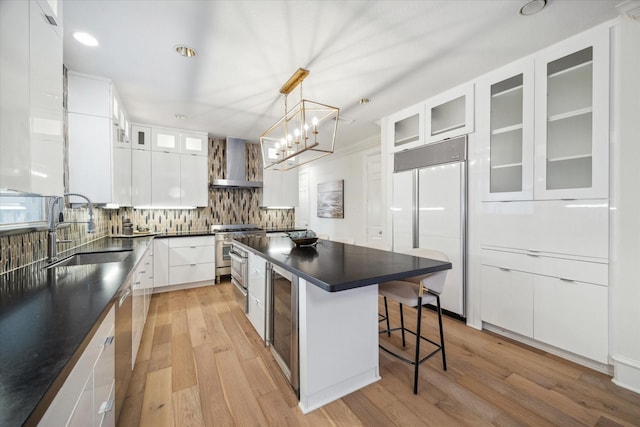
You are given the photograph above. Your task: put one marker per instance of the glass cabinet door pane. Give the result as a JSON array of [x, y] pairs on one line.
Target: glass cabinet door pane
[[406, 130], [569, 121], [506, 140]]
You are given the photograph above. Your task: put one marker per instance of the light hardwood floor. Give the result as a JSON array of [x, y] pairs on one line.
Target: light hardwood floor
[[202, 364]]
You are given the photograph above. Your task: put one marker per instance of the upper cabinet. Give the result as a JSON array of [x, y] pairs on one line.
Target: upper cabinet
[[194, 143], [543, 123], [167, 140], [572, 118], [140, 137], [279, 189], [31, 93], [505, 121], [450, 114], [406, 129], [99, 153]]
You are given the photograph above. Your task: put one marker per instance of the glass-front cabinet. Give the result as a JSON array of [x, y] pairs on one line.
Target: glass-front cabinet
[[544, 123], [450, 113], [572, 118], [407, 128], [507, 131]]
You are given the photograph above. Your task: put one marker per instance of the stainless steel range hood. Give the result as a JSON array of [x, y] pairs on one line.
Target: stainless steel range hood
[[236, 166]]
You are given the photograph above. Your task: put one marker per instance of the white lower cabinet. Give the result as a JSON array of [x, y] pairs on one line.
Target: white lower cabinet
[[507, 299], [557, 301], [86, 397], [571, 315], [141, 287], [256, 289], [182, 260]]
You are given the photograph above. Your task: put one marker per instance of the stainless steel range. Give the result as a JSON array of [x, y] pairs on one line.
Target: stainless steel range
[[224, 235]]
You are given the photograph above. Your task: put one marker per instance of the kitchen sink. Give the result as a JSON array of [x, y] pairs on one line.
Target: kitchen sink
[[92, 258]]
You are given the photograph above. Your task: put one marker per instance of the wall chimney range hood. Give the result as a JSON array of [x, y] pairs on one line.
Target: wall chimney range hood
[[236, 166]]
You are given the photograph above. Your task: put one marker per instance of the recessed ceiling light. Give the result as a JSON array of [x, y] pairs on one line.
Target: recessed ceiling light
[[180, 116], [364, 101], [186, 51], [532, 7], [85, 38]]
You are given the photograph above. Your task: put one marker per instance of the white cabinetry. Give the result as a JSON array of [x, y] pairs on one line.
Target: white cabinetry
[[99, 153], [140, 177], [184, 260], [279, 189], [31, 79], [86, 397], [544, 123], [165, 140], [450, 114], [142, 288], [165, 179], [406, 128], [194, 175], [140, 137], [179, 167], [572, 118], [193, 143], [556, 300], [505, 123], [257, 283]]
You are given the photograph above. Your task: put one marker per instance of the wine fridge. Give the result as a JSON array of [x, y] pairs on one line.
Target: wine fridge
[[282, 322]]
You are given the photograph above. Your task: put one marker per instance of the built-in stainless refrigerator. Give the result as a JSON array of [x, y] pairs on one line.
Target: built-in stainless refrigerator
[[429, 209]]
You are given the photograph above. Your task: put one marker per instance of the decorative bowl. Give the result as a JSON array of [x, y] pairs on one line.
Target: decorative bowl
[[304, 241], [303, 238]]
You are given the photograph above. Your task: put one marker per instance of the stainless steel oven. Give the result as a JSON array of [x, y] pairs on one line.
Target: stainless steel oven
[[282, 322], [240, 275], [224, 236]]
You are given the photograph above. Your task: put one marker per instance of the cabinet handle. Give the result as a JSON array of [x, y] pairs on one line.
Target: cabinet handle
[[143, 271], [193, 265], [108, 341], [504, 269], [105, 407], [567, 280], [193, 247], [533, 255]]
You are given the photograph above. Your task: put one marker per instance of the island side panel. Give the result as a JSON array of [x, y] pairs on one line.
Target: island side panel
[[338, 342]]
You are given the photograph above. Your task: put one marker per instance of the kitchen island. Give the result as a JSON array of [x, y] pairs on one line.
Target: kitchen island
[[337, 309]]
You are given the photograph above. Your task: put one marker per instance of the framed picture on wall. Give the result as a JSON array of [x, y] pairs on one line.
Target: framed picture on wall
[[331, 199]]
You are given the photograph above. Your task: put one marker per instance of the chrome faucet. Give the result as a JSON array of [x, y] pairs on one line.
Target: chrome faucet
[[52, 240]]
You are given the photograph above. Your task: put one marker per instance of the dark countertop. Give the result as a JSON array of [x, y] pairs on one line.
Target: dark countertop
[[283, 230], [47, 318], [335, 266]]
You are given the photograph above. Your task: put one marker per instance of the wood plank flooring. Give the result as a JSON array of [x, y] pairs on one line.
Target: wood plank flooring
[[201, 364]]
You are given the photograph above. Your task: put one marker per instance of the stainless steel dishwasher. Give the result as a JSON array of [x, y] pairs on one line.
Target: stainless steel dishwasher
[[282, 322]]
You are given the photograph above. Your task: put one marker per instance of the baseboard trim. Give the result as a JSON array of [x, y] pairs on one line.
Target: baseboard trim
[[580, 360], [626, 373]]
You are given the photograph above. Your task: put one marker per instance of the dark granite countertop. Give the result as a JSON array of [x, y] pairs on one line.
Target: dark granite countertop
[[335, 266], [47, 318], [283, 230]]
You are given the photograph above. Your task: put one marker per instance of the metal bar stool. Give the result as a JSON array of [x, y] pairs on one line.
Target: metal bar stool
[[416, 292]]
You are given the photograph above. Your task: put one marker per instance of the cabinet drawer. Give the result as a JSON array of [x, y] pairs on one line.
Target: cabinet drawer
[[256, 315], [530, 262], [507, 299], [191, 273], [191, 255], [572, 316], [183, 242], [103, 377]]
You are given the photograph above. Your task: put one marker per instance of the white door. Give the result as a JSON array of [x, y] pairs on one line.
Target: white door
[[402, 211], [439, 224], [373, 188]]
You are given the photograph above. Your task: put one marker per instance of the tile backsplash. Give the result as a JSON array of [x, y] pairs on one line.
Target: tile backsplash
[[226, 206]]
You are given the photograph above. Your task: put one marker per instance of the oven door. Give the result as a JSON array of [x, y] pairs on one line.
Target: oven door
[[223, 258], [241, 294]]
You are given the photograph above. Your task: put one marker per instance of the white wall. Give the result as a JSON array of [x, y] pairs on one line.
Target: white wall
[[349, 166], [624, 281]]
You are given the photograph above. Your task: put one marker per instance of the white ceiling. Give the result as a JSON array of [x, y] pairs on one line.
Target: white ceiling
[[396, 53]]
